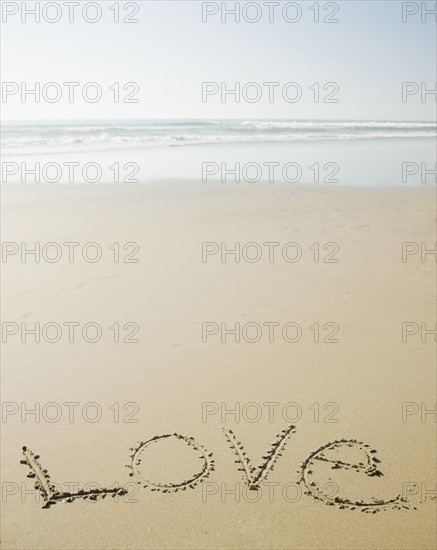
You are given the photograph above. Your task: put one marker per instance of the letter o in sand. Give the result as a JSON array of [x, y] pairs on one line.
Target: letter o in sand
[[191, 482]]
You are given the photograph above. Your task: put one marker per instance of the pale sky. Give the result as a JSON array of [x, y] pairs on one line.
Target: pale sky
[[170, 52]]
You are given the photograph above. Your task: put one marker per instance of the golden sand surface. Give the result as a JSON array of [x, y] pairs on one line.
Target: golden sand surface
[[353, 385]]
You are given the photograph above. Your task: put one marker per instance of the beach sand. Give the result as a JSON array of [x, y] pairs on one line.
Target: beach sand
[[350, 389]]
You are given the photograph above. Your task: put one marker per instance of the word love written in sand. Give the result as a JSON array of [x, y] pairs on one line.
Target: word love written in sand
[[253, 477]]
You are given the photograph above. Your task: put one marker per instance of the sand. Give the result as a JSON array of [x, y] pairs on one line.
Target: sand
[[347, 395]]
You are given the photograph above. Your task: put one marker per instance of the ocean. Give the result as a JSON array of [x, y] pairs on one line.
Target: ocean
[[290, 151]]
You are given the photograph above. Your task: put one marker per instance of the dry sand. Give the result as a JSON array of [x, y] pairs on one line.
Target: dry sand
[[361, 381]]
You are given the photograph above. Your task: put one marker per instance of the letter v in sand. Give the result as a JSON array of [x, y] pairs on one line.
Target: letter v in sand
[[50, 493], [251, 476]]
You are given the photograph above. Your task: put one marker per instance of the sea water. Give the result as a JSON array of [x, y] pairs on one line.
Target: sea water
[[371, 153]]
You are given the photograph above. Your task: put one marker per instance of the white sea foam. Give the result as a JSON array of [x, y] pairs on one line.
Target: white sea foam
[[96, 135]]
